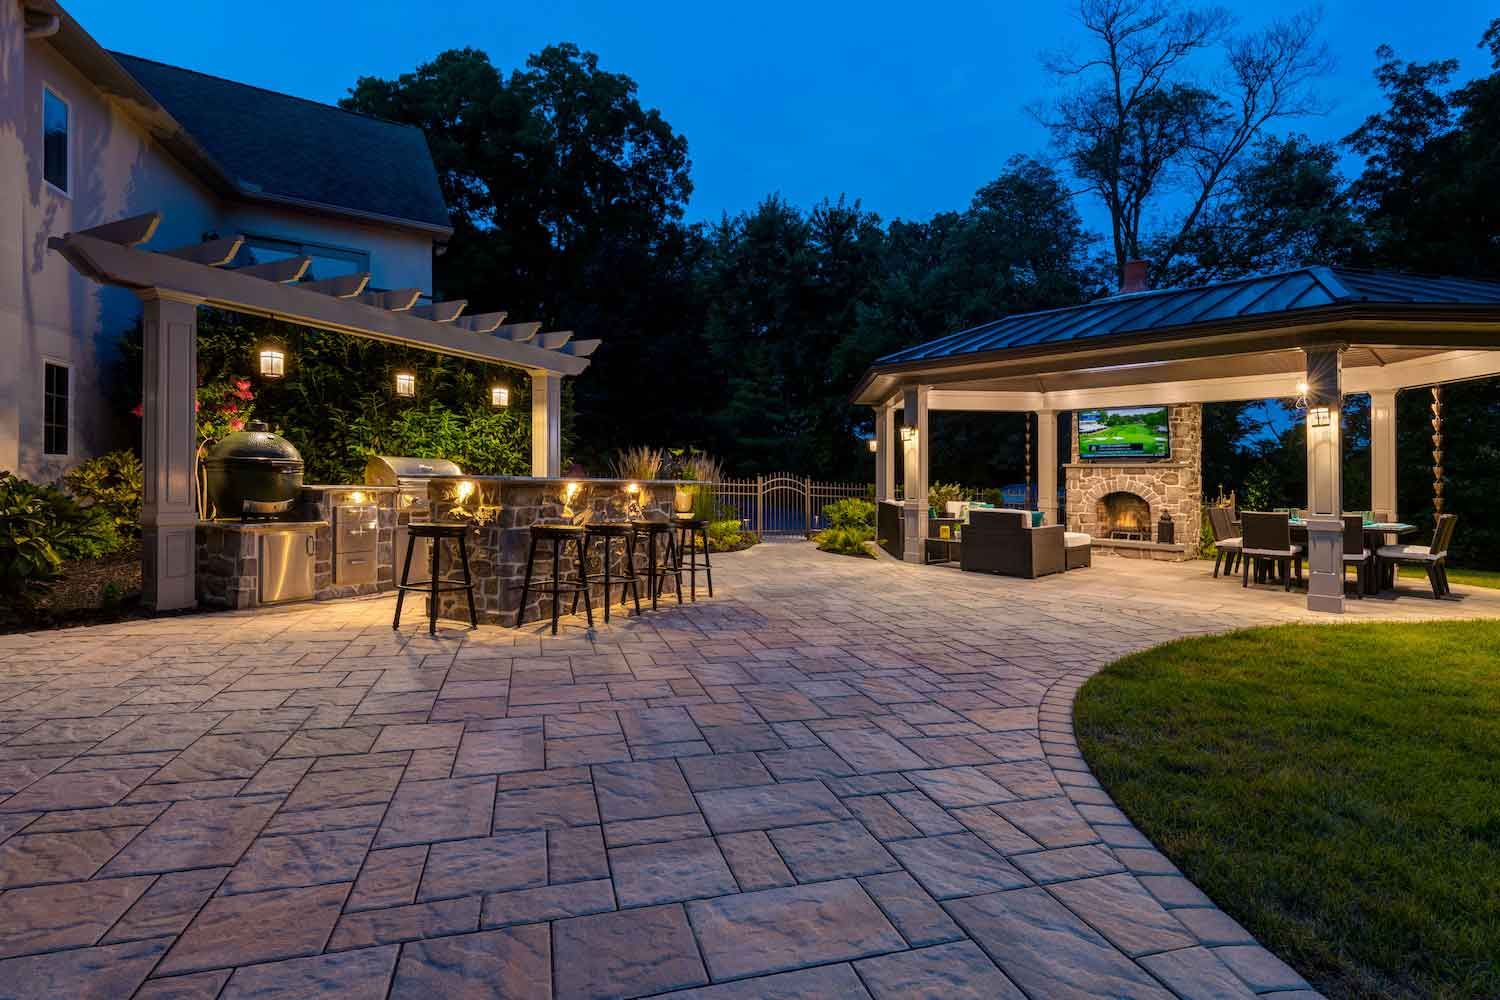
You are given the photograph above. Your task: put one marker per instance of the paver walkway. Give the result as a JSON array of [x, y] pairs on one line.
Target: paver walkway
[[839, 778]]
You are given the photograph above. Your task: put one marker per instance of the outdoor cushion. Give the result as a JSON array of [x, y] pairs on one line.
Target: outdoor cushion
[[1076, 539], [1229, 543], [1404, 552], [1036, 518]]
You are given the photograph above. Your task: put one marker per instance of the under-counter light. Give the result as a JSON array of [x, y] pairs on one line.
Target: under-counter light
[[632, 487], [357, 496], [465, 490]]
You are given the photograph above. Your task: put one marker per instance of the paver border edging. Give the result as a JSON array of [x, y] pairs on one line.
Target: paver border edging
[[1261, 970]]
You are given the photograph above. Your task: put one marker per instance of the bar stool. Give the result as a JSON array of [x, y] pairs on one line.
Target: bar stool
[[436, 531], [605, 532], [689, 531], [559, 535], [669, 567]]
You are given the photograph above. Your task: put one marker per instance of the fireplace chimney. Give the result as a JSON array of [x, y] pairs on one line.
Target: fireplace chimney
[[1133, 276]]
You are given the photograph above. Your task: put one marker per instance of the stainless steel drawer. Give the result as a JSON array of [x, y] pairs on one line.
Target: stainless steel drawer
[[354, 568], [286, 565]]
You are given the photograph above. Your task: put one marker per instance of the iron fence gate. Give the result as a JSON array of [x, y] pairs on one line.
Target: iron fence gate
[[784, 504]]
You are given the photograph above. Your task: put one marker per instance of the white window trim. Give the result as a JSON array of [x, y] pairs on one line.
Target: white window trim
[[72, 121], [72, 404]]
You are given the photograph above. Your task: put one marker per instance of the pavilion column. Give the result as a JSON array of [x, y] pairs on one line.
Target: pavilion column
[[546, 425], [1383, 451], [1046, 464], [1325, 493], [885, 452], [170, 438], [915, 447]]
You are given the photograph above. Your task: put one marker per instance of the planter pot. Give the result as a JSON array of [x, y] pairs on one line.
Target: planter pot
[[683, 499]]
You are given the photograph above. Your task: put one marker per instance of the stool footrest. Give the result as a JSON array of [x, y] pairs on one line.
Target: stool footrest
[[423, 588]]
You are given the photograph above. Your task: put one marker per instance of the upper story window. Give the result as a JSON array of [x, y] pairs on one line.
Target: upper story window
[[327, 261], [56, 123], [56, 395]]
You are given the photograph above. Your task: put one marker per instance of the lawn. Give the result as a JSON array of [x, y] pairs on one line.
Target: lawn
[[1336, 789], [1464, 577]]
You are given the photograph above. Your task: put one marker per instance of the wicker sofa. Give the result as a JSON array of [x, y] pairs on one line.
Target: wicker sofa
[[1004, 542]]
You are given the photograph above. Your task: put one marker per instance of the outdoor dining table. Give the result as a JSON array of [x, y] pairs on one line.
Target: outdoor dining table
[[1375, 533]]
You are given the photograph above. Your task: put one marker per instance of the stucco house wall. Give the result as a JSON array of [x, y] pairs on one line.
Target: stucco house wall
[[118, 169]]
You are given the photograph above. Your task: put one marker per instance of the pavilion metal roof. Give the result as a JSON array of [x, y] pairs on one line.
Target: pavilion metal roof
[[1281, 294]]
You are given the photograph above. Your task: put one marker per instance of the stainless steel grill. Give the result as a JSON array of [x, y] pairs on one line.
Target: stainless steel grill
[[410, 476]]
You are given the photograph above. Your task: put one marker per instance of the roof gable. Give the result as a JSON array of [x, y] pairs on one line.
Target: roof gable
[[285, 148], [1148, 312]]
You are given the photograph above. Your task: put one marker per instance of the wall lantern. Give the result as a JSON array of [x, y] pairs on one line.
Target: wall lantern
[[272, 362], [874, 446], [406, 384], [908, 434], [632, 488], [499, 396], [1318, 416]]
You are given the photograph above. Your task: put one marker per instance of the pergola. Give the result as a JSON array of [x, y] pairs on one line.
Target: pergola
[[173, 283], [1342, 331]]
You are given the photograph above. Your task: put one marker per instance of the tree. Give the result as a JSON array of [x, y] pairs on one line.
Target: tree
[[1138, 130]]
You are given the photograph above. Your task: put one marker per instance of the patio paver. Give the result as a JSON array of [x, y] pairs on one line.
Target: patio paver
[[837, 778]]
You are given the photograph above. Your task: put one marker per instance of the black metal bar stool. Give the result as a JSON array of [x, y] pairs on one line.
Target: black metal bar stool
[[436, 531], [689, 531], [670, 566], [559, 535], [606, 532]]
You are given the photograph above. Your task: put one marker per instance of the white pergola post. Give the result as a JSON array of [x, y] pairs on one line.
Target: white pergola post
[[1383, 451], [546, 424], [1325, 488], [169, 514], [885, 451], [915, 451], [1046, 464]]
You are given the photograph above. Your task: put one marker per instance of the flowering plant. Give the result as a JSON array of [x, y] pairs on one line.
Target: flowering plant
[[223, 407]]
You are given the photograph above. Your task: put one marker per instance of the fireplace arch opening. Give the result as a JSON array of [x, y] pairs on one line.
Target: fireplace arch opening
[[1124, 515]]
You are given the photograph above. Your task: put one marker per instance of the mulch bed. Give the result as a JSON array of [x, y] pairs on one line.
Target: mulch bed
[[90, 592]]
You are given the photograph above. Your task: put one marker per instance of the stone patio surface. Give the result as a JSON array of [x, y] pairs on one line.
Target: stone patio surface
[[838, 778]]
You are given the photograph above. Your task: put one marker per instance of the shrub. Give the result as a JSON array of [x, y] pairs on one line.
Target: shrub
[[41, 527], [638, 463], [939, 494], [848, 541], [114, 484], [851, 512], [728, 535]]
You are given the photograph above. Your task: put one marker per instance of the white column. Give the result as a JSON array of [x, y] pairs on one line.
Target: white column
[[1325, 492], [20, 362], [887, 442], [914, 417], [1046, 464], [546, 425], [170, 439], [1383, 451]]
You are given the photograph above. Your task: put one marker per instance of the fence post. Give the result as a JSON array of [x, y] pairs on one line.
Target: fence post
[[760, 492], [807, 504]]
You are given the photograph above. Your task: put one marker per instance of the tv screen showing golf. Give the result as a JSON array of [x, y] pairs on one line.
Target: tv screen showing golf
[[1127, 432]]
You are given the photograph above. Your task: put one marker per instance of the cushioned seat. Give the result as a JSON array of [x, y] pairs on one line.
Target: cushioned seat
[[1078, 549], [1433, 558], [1406, 553], [1073, 538]]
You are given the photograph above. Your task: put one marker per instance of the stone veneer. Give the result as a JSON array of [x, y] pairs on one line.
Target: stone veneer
[[1173, 485], [503, 511]]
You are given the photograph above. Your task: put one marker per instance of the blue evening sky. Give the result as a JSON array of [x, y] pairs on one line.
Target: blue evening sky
[[907, 107]]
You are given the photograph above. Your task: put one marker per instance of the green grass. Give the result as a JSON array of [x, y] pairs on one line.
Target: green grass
[[1336, 789], [1464, 577]]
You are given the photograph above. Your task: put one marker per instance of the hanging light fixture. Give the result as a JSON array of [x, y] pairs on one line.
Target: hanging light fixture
[[874, 445], [499, 396], [272, 362], [406, 384]]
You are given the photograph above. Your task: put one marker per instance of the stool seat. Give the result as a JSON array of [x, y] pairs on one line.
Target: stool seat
[[652, 526], [690, 522], [612, 529], [436, 529], [556, 530]]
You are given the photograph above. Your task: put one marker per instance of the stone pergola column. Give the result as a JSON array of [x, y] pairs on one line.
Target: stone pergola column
[[1383, 451], [169, 513], [1325, 492], [546, 424], [915, 451], [885, 451], [1046, 464]]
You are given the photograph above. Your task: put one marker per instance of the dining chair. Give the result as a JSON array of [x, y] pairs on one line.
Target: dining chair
[[1433, 557], [1267, 541], [1227, 542], [1356, 554]]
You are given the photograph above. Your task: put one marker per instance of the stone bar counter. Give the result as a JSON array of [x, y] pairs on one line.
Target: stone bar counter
[[501, 511]]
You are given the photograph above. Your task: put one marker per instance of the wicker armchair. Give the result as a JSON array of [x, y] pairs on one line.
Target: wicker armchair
[[1004, 542]]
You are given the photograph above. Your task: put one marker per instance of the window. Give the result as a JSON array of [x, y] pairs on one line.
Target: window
[[327, 261], [56, 386], [55, 114]]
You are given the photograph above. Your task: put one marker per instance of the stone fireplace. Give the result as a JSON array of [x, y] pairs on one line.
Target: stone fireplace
[[1121, 502]]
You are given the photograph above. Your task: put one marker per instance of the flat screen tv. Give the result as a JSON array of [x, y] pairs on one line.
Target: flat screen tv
[[1125, 432]]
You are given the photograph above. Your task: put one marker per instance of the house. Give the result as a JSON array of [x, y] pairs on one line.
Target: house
[[88, 136]]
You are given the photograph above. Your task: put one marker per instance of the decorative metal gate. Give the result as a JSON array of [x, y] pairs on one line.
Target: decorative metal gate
[[782, 504]]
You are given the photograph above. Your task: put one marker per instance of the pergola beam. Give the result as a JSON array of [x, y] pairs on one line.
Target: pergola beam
[[213, 253], [441, 312], [283, 271]]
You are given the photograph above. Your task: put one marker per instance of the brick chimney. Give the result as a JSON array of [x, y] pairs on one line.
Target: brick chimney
[[1133, 276]]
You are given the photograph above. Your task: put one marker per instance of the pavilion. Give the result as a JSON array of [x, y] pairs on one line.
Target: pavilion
[[1339, 330]]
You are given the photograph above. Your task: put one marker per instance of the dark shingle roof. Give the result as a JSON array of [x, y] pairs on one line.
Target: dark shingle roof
[[1151, 312], [285, 147]]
